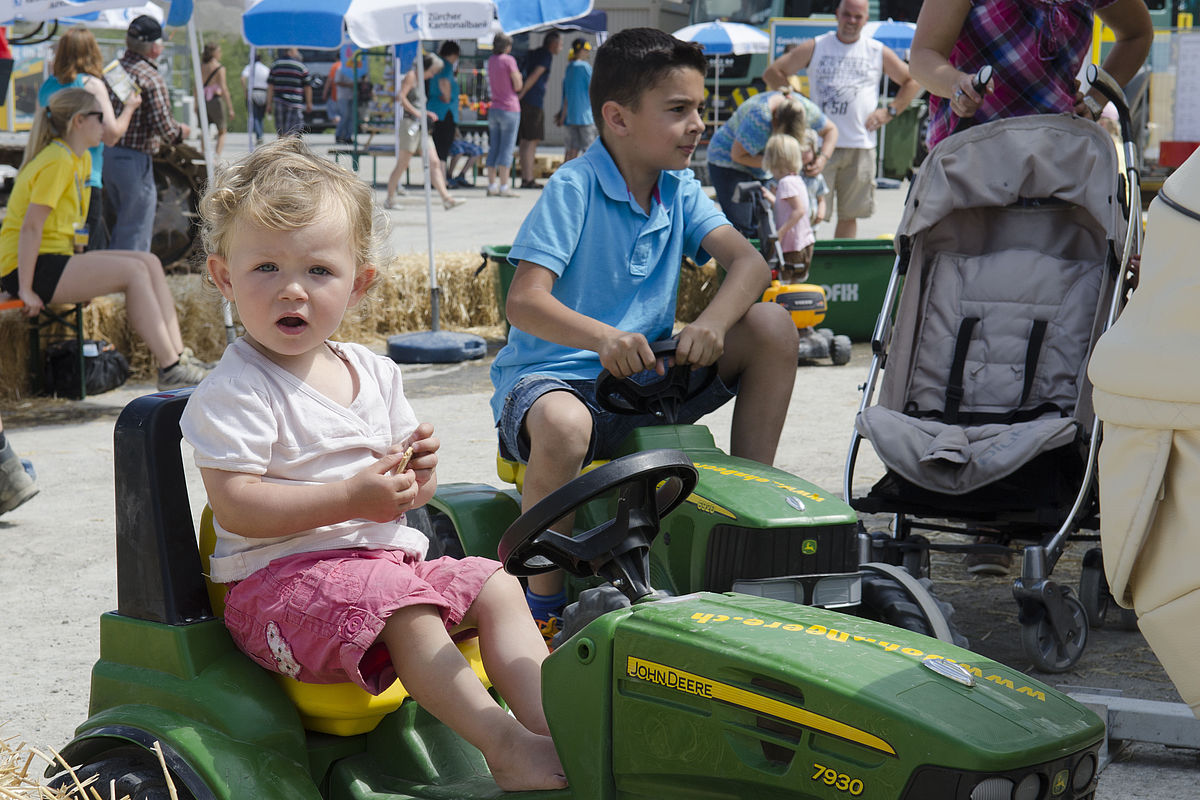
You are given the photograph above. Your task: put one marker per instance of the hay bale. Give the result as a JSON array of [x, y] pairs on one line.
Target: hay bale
[[697, 287], [399, 303]]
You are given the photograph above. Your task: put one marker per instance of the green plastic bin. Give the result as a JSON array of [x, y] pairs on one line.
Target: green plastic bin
[[901, 137], [498, 254], [854, 273]]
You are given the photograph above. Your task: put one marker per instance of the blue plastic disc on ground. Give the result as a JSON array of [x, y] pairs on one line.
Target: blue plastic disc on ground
[[435, 347]]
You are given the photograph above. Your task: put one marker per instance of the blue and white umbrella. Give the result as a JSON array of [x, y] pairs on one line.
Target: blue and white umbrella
[[722, 39], [371, 23], [896, 35]]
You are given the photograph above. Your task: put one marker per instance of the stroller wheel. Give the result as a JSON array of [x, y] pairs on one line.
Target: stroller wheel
[[826, 334], [1096, 598], [1043, 647]]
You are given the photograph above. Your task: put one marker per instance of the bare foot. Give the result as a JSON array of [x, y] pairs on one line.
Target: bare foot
[[526, 761]]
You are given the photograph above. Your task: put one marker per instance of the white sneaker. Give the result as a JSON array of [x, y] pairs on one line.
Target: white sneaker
[[180, 375]]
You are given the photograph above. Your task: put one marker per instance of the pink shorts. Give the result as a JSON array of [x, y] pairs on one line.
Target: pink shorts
[[317, 616]]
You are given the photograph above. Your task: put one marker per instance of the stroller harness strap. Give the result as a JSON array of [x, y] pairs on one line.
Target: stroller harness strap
[[955, 388], [954, 385]]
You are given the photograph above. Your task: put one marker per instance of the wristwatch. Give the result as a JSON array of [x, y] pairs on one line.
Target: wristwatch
[[892, 112], [1093, 106]]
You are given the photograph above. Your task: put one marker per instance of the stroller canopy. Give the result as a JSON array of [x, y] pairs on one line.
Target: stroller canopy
[[997, 164]]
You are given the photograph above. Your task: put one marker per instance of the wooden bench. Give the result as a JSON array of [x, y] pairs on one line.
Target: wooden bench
[[374, 151], [70, 317]]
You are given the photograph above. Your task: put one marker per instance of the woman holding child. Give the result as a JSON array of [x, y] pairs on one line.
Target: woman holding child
[[735, 152], [43, 236]]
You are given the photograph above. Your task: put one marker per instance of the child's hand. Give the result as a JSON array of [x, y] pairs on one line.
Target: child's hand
[[699, 345], [424, 457], [380, 495], [626, 354]]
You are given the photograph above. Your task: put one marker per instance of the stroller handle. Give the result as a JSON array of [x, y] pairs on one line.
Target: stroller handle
[[982, 78], [1107, 85]]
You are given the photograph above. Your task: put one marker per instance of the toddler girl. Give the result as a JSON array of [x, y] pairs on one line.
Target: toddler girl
[[782, 159], [311, 455]]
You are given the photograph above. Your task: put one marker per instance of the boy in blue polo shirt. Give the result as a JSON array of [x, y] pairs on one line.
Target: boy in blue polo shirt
[[598, 261]]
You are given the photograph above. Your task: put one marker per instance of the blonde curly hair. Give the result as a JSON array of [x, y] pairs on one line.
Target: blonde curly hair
[[285, 186]]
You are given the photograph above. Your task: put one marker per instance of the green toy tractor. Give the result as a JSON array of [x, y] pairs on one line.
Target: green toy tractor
[[701, 696], [748, 527]]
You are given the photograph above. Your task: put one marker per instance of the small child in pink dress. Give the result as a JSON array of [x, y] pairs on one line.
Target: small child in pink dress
[[783, 159]]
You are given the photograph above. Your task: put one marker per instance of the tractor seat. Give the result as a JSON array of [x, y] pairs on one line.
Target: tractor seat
[[341, 709], [512, 471]]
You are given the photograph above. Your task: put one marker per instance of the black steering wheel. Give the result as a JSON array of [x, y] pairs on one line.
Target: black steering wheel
[[662, 397], [648, 486]]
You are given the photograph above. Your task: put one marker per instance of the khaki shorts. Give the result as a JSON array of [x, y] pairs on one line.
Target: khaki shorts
[[851, 178], [410, 136]]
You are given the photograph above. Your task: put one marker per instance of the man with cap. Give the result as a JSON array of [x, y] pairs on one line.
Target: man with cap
[[576, 111], [128, 166]]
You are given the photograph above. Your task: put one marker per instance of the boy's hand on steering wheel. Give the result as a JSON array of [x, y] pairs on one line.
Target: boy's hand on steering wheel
[[624, 354], [378, 494], [699, 345]]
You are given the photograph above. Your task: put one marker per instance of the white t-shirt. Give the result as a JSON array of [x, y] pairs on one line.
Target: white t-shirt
[[250, 415], [258, 84], [845, 83]]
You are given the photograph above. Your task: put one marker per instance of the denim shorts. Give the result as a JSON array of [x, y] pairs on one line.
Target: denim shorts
[[609, 429], [317, 616]]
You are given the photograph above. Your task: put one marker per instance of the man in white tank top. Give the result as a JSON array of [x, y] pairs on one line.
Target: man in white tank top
[[844, 75]]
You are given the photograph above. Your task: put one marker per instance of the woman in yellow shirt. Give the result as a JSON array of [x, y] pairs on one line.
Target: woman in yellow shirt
[[43, 236]]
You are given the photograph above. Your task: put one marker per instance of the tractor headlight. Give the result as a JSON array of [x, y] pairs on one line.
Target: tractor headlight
[[1085, 770], [997, 788], [1030, 788], [993, 789]]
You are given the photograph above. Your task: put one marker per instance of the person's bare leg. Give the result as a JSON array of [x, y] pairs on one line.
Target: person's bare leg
[[560, 429], [846, 229], [438, 677], [397, 171], [100, 272], [527, 150], [760, 353], [437, 176], [505, 176], [512, 648], [162, 290]]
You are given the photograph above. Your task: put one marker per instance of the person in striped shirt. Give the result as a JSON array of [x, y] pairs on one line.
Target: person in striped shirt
[[289, 92]]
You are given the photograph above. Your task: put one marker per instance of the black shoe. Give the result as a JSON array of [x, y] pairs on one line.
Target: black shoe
[[530, 185]]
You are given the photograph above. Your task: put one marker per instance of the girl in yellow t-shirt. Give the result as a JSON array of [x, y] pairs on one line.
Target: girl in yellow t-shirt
[[43, 236]]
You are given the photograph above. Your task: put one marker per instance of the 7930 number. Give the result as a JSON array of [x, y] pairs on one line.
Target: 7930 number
[[838, 780]]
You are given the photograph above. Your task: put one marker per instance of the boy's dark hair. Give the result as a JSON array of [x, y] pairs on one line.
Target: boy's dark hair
[[449, 48], [632, 61]]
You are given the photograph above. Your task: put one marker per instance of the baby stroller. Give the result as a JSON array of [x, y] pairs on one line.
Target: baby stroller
[[1012, 250]]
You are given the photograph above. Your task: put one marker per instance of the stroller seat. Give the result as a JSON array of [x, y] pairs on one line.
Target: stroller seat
[[996, 375]]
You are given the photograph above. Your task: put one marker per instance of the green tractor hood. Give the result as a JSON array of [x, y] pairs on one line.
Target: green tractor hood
[[714, 694]]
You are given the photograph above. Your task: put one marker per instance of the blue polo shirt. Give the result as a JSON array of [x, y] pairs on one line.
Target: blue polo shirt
[[575, 89], [614, 262]]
